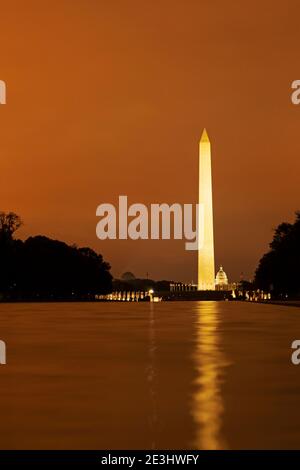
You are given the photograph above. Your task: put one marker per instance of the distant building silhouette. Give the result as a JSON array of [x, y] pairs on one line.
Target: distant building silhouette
[[128, 276]]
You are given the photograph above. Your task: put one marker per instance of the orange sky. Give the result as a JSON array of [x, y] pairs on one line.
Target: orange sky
[[109, 98]]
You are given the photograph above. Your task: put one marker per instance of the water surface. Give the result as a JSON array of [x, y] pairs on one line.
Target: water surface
[[173, 375]]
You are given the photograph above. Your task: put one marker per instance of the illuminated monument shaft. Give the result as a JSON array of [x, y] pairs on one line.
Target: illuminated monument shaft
[[206, 261]]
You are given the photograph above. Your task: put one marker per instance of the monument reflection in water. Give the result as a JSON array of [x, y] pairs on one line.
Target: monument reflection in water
[[171, 375], [210, 363]]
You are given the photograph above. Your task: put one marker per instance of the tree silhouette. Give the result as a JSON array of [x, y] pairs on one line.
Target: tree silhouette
[[278, 270], [43, 269], [9, 223]]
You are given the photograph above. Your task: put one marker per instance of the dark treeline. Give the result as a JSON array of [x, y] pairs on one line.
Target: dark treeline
[[278, 270], [43, 269]]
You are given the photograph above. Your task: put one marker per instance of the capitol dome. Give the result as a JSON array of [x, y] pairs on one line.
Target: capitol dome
[[221, 278]]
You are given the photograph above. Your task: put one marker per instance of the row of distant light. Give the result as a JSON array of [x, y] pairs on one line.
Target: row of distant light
[[128, 295]]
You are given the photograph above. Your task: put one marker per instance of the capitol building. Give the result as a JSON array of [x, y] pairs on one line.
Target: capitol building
[[221, 283]]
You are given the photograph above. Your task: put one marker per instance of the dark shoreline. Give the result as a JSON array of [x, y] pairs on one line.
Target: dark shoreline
[[286, 303]]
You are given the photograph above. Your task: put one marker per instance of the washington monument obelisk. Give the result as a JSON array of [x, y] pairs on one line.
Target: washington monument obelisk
[[206, 257]]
